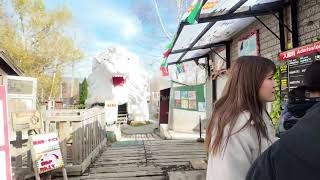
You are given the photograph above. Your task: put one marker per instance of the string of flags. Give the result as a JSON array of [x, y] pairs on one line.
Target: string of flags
[[191, 19], [181, 68]]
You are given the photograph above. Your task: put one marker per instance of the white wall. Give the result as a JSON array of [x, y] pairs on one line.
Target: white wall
[[186, 121], [221, 82]]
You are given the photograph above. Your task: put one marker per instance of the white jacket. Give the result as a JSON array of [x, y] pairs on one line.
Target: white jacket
[[241, 151]]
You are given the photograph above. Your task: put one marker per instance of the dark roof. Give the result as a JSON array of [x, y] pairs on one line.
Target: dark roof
[[8, 66]]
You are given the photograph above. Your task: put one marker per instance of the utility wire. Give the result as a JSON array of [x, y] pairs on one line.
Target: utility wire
[[168, 35]]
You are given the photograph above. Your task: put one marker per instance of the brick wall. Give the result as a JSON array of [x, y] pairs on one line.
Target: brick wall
[[269, 44], [308, 27], [309, 21]]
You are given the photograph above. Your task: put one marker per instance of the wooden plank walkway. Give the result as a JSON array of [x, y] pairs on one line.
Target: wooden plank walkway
[[144, 159]]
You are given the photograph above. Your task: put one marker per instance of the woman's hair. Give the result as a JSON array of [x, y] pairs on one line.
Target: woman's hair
[[241, 93]]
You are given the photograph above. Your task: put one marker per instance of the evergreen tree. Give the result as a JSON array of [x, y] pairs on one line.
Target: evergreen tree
[[84, 91]]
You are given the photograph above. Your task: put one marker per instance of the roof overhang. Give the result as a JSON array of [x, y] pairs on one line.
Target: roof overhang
[[8, 66], [216, 26]]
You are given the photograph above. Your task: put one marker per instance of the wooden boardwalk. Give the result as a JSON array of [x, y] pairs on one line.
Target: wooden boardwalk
[[147, 159]]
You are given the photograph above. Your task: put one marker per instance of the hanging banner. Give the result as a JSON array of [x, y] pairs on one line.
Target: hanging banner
[[45, 152], [5, 164]]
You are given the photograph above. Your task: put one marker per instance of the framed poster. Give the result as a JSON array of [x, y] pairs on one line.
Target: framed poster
[[192, 104], [177, 95], [178, 103], [249, 45], [202, 106], [184, 104], [184, 94], [192, 95]]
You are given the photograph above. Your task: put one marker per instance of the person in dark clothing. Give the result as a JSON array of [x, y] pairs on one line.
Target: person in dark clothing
[[297, 106], [296, 155]]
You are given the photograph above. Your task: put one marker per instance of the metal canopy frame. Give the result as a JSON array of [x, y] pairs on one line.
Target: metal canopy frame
[[270, 8]]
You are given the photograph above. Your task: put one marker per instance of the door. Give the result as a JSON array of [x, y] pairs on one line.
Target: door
[[164, 106]]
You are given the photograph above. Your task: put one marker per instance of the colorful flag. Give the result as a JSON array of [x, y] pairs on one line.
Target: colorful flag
[[164, 67], [193, 15], [180, 68], [169, 48], [167, 53]]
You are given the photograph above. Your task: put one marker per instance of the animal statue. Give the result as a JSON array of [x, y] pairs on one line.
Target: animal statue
[[117, 75]]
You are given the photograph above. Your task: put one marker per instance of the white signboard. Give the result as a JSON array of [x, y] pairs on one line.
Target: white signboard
[[5, 164], [46, 153], [111, 109]]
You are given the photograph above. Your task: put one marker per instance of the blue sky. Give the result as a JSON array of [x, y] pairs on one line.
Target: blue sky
[[129, 23]]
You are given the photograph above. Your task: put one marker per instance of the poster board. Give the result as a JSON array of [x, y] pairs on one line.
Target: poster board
[[249, 45], [111, 112], [189, 98], [5, 158], [294, 64], [45, 152]]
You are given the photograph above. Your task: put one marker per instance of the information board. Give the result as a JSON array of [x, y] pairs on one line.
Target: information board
[[189, 98], [296, 62], [111, 111], [45, 152]]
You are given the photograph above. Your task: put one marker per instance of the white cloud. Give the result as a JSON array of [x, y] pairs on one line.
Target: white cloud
[[103, 15]]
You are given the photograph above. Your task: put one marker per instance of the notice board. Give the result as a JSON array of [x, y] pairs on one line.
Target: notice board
[[45, 152], [295, 63], [111, 111], [189, 98]]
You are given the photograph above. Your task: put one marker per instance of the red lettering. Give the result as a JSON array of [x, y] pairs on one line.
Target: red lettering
[[43, 169], [46, 162], [38, 142]]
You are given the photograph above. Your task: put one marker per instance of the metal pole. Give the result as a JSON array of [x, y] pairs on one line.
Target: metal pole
[[200, 139], [200, 126], [294, 23]]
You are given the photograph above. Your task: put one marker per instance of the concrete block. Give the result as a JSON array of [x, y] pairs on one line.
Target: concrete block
[[198, 164], [187, 175]]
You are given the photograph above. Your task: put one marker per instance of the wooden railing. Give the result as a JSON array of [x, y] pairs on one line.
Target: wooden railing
[[82, 136]]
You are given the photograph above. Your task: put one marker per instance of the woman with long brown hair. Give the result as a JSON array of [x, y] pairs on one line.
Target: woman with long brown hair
[[240, 128]]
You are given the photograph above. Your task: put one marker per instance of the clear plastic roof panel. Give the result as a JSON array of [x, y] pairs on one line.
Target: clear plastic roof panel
[[215, 7], [173, 57], [196, 53], [188, 35], [219, 32], [190, 54], [224, 30]]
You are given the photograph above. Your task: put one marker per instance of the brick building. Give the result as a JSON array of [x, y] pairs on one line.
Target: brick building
[[277, 26]]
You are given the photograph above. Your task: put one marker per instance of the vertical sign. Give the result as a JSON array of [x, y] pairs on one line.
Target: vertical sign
[[111, 109], [5, 164]]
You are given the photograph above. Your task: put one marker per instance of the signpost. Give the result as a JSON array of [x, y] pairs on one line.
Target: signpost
[[5, 164], [111, 108], [296, 62], [46, 153]]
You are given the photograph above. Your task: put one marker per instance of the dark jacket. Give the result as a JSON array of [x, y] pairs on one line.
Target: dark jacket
[[292, 112], [296, 156]]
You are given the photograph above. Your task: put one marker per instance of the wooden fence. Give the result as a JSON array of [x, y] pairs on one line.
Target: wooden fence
[[82, 136]]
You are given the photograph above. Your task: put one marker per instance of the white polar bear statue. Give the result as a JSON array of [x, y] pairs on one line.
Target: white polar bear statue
[[117, 75]]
